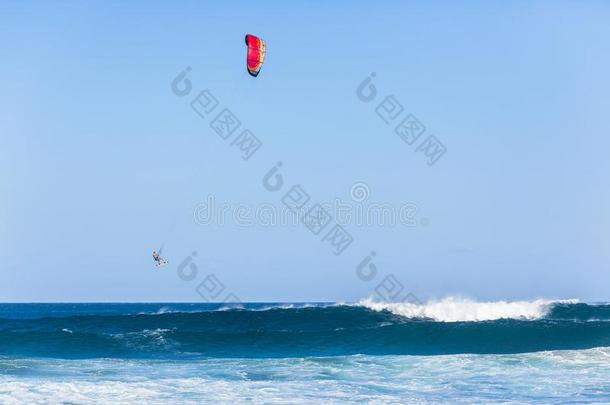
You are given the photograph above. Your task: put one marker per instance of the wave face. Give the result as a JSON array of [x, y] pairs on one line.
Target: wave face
[[167, 331]]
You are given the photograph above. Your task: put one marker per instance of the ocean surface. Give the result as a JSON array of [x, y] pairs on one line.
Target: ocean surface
[[448, 351]]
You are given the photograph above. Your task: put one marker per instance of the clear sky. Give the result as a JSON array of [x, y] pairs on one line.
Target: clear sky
[[100, 162]]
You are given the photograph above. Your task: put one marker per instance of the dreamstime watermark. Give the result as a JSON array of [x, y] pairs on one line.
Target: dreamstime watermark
[[360, 192], [357, 211]]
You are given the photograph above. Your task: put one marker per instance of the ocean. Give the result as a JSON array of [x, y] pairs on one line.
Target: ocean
[[449, 351]]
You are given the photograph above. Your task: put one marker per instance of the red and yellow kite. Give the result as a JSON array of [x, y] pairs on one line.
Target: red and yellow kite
[[256, 54]]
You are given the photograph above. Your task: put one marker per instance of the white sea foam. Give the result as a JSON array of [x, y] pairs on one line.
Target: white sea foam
[[454, 309], [542, 377]]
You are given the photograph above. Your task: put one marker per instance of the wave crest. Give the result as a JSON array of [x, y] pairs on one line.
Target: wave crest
[[455, 309]]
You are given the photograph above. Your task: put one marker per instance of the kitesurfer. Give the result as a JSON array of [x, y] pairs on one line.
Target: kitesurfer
[[158, 259]]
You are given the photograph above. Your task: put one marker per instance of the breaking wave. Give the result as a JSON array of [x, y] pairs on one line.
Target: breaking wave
[[453, 309]]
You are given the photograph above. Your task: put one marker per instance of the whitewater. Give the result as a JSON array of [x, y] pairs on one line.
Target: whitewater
[[455, 309]]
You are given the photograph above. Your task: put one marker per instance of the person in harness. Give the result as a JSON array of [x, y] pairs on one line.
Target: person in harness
[[158, 259]]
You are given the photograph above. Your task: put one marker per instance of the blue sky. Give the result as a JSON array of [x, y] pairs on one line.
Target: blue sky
[[100, 163]]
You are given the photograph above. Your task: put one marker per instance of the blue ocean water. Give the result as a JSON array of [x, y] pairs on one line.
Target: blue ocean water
[[445, 352]]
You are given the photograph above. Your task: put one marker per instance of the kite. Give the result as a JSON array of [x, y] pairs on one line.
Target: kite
[[256, 54]]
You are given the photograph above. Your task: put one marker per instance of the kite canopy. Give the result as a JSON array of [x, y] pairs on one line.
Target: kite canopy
[[256, 54]]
